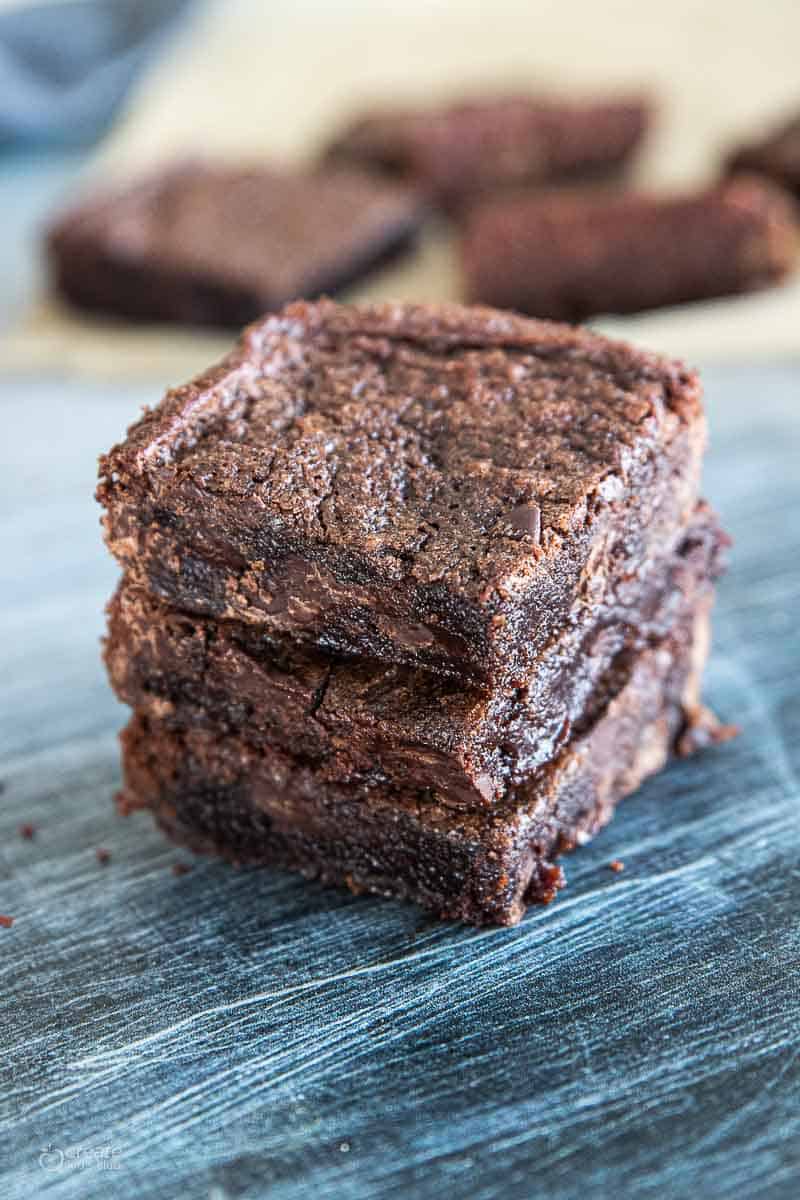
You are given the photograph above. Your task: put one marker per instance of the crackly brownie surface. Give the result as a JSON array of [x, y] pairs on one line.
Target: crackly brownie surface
[[776, 156], [572, 255], [220, 795], [460, 149], [431, 484], [223, 244], [373, 722]]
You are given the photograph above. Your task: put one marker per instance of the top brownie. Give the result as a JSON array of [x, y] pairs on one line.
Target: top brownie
[[457, 150], [436, 485], [222, 244]]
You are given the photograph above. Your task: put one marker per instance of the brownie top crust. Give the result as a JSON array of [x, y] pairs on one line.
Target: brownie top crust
[[434, 447], [272, 233]]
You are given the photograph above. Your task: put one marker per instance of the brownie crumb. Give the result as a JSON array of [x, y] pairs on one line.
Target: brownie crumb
[[702, 729], [181, 868], [617, 865], [553, 879], [27, 831], [103, 856], [6, 922]]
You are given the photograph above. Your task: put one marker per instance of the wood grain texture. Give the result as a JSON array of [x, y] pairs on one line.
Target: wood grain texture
[[245, 1034]]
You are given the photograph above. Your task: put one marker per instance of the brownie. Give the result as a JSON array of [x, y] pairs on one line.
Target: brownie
[[221, 795], [775, 156], [458, 150], [362, 721], [221, 245], [438, 486], [572, 255]]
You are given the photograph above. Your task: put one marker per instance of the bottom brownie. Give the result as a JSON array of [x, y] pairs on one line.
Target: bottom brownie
[[219, 794]]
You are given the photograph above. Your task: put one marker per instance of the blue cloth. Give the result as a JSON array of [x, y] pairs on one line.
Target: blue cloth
[[65, 68]]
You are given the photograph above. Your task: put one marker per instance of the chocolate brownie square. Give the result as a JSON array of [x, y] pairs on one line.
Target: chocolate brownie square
[[776, 156], [459, 150], [432, 485], [252, 805], [371, 723], [221, 245], [572, 255]]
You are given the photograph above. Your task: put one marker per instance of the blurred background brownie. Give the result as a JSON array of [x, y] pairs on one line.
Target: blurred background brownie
[[776, 156], [219, 245], [573, 255], [485, 143]]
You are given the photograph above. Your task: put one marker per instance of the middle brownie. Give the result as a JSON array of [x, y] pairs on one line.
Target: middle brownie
[[362, 721]]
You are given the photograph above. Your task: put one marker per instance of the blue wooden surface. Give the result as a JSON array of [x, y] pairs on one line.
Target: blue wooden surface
[[234, 1034]]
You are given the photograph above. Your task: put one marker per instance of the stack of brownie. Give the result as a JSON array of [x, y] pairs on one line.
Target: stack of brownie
[[412, 596]]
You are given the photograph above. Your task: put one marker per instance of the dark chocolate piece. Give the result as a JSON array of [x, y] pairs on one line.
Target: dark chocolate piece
[[345, 479], [579, 254], [460, 150], [775, 156], [219, 795], [221, 245]]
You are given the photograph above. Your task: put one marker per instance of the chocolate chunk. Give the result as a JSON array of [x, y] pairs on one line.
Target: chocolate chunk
[[528, 518]]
